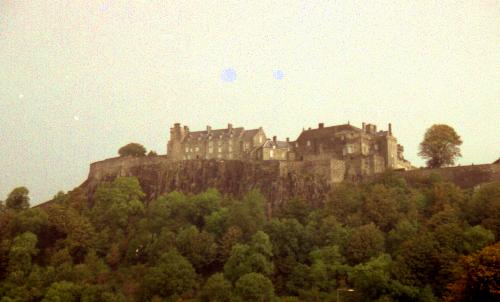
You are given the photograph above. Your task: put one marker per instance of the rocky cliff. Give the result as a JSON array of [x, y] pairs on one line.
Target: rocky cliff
[[278, 181]]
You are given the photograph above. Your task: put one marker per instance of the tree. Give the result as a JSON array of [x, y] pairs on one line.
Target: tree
[[366, 241], [254, 287], [243, 260], [62, 291], [18, 199], [132, 149], [198, 247], [216, 289], [440, 146], [173, 276], [477, 277]]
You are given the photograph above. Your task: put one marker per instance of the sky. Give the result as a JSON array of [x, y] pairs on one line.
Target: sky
[[79, 79]]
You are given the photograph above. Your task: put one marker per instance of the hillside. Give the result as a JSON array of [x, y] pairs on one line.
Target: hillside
[[388, 239]]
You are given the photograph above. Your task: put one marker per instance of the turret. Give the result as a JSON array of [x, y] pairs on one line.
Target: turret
[[174, 146]]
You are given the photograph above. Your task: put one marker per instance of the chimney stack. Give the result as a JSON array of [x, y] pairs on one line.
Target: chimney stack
[[287, 139], [209, 129], [275, 139], [363, 125], [321, 125], [390, 129]]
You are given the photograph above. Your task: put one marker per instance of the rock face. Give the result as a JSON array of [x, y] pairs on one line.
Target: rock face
[[278, 181]]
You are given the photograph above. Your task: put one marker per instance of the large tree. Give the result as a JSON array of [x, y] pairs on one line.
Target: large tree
[[440, 146], [132, 149], [18, 199]]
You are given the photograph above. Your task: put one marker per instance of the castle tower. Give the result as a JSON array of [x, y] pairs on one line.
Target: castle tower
[[174, 146]]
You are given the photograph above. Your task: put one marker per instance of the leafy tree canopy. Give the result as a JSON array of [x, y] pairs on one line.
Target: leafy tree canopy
[[440, 146], [132, 149]]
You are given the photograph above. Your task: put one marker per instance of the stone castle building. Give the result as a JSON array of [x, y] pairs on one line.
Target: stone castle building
[[357, 151]]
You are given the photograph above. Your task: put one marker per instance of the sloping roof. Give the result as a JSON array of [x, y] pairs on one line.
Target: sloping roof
[[250, 133], [326, 131], [202, 135], [497, 161], [279, 144]]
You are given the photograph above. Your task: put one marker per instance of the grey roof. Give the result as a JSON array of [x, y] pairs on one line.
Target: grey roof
[[224, 133], [326, 131]]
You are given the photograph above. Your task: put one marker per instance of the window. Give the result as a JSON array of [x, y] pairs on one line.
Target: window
[[260, 139], [210, 150], [187, 149], [350, 149], [271, 153], [219, 149], [308, 143], [230, 148], [197, 149], [283, 154]]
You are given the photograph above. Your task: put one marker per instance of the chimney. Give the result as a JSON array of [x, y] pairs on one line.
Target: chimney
[[177, 125], [287, 139], [390, 129], [209, 129], [321, 125], [274, 139], [363, 125], [229, 126], [186, 128]]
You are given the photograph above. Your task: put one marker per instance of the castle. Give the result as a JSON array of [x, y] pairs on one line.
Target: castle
[[357, 151]]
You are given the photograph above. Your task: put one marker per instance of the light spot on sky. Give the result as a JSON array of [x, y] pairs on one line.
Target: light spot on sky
[[278, 74], [104, 7], [228, 75]]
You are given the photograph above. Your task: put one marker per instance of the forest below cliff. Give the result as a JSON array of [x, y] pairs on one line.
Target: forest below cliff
[[383, 241]]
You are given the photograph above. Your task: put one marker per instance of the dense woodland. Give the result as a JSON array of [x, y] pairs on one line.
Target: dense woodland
[[386, 241]]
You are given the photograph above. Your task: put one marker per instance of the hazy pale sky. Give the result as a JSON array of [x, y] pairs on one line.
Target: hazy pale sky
[[79, 79]]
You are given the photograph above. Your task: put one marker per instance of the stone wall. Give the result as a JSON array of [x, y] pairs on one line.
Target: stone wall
[[278, 181], [462, 176]]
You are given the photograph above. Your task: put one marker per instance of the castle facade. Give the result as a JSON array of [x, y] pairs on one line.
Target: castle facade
[[360, 151]]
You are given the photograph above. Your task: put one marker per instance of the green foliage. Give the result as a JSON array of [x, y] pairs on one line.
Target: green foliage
[[18, 199], [62, 292], [172, 277], [245, 259], [254, 287], [198, 247], [132, 149], [366, 241], [388, 240], [216, 289], [440, 146]]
